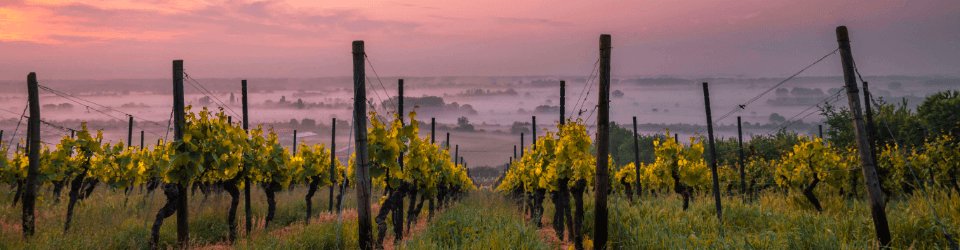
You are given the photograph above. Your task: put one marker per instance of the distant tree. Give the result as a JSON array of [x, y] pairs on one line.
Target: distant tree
[[463, 124], [300, 104], [777, 118], [520, 127], [308, 123]]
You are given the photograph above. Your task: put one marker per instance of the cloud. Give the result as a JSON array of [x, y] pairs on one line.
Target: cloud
[[532, 21], [71, 23]]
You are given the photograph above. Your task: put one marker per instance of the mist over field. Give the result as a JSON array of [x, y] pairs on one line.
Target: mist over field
[[492, 105]]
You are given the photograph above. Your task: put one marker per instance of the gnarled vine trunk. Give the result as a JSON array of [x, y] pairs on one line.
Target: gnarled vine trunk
[[808, 192], [681, 189], [343, 187], [172, 193], [311, 189], [538, 196], [412, 209], [234, 191], [389, 206], [271, 191], [578, 233], [629, 190]]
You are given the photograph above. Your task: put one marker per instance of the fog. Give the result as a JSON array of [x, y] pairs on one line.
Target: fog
[[491, 104]]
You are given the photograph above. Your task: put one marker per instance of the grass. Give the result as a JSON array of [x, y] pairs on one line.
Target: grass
[[482, 220], [486, 220], [313, 236], [106, 221], [776, 221]]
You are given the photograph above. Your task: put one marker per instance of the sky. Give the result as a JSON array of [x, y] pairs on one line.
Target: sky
[[117, 39]]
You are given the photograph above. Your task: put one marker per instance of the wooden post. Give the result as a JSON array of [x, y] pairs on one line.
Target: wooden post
[[397, 216], [433, 130], [333, 160], [456, 154], [365, 236], [448, 141], [743, 175], [877, 209], [871, 127], [400, 116], [33, 145], [294, 141], [603, 144], [563, 101], [141, 139], [130, 132], [636, 156], [533, 126], [514, 151], [183, 231], [400, 99], [676, 138], [713, 152], [248, 211], [1, 138], [820, 129], [521, 145]]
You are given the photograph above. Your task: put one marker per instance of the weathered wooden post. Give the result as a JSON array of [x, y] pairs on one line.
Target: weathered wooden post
[[179, 121], [365, 237], [636, 156], [176, 193], [333, 160], [33, 140], [877, 209], [533, 129], [456, 154], [398, 213], [141, 139], [713, 152], [521, 145], [603, 144], [515, 151], [871, 127], [130, 131], [294, 141], [743, 175], [820, 130], [248, 211], [563, 101]]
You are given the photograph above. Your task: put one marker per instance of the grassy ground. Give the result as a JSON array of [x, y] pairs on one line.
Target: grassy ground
[[482, 220], [775, 221], [486, 220], [109, 220]]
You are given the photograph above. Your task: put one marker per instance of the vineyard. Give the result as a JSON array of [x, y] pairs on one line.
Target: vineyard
[[883, 176]]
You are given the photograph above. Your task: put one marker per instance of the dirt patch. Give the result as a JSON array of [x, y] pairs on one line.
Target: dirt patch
[[549, 235]]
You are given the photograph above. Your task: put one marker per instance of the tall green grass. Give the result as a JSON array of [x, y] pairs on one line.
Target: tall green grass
[[482, 220], [109, 220], [777, 221]]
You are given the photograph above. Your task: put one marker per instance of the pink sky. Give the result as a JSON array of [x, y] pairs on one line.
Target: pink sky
[[106, 39]]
